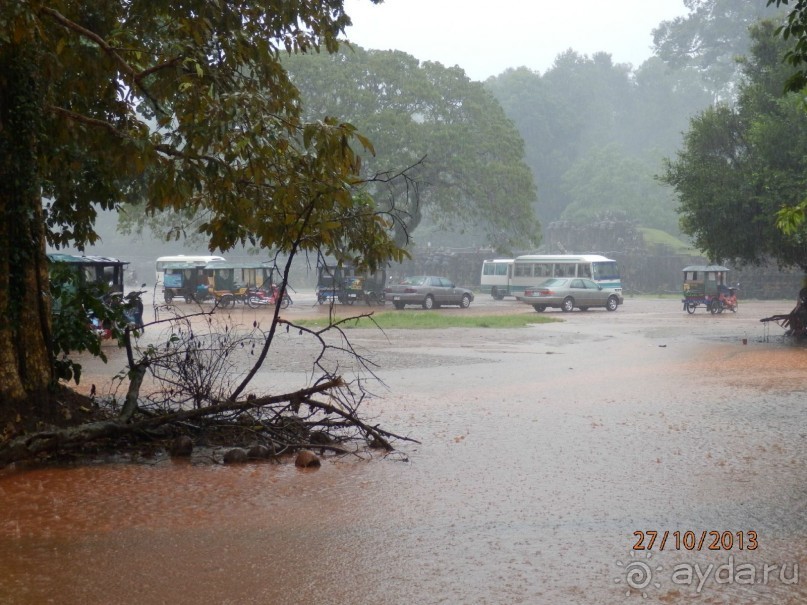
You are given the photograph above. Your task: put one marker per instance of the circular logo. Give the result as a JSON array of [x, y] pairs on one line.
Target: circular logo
[[638, 575]]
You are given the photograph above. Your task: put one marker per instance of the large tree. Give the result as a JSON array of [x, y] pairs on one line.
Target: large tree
[[472, 174], [183, 105], [595, 133], [708, 41], [734, 175]]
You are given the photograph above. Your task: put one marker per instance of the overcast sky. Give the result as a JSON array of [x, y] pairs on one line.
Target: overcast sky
[[485, 38]]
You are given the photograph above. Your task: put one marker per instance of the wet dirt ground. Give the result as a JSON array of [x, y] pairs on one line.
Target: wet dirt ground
[[544, 449]]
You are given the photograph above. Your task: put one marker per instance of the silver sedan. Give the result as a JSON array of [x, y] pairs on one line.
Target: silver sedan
[[568, 293], [428, 291]]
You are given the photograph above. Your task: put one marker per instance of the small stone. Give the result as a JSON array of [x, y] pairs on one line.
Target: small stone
[[237, 455], [181, 447], [306, 459], [258, 451]]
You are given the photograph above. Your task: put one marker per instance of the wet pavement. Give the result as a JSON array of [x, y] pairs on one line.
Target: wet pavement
[[544, 450]]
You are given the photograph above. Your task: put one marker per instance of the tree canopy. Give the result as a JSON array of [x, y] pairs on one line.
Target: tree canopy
[[734, 175], [708, 41], [182, 106], [472, 175], [595, 134]]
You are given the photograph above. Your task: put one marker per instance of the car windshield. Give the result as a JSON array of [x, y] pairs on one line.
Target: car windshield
[[417, 280], [554, 281]]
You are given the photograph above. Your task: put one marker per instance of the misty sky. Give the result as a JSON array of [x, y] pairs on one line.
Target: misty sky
[[527, 33]]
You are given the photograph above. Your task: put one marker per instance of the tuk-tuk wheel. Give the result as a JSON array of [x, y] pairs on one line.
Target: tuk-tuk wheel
[[690, 307], [168, 297], [715, 307]]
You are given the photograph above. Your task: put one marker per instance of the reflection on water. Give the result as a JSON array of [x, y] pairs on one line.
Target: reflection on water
[[539, 461]]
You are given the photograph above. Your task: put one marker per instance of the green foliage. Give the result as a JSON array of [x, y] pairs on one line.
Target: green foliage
[[180, 107], [466, 156], [595, 134], [734, 175], [708, 41], [608, 180], [795, 29], [186, 108], [73, 303]]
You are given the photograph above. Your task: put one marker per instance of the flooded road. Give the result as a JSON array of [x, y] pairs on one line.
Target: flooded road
[[544, 449]]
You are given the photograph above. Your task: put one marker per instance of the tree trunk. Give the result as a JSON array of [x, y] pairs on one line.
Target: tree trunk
[[25, 343]]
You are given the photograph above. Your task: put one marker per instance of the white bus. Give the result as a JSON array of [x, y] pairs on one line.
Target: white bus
[[531, 269], [181, 258], [496, 277]]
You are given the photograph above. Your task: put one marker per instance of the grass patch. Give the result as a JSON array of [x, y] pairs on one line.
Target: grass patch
[[429, 320], [656, 237]]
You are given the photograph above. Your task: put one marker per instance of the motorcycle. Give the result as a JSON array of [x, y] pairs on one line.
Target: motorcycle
[[259, 297]]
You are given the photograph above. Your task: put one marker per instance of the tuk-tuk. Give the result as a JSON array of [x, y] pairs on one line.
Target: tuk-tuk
[[183, 279], [345, 284], [105, 272], [230, 283], [107, 275], [705, 285]]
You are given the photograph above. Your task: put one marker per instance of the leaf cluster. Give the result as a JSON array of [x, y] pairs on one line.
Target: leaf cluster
[[795, 29], [185, 107]]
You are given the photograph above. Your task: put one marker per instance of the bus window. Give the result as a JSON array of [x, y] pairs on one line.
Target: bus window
[[584, 270], [523, 270], [489, 269], [564, 270], [543, 270], [501, 269], [605, 271]]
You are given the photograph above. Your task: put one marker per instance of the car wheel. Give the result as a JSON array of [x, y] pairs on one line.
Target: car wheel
[[612, 303], [465, 302], [539, 308], [428, 302], [567, 305], [398, 305]]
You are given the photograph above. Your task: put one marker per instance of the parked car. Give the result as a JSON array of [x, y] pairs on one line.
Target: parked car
[[568, 293], [429, 292]]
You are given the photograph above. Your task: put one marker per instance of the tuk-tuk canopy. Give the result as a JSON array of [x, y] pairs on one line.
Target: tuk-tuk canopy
[[57, 257], [706, 268], [102, 270]]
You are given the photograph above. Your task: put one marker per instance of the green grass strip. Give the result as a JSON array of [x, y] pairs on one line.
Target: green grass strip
[[429, 320]]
